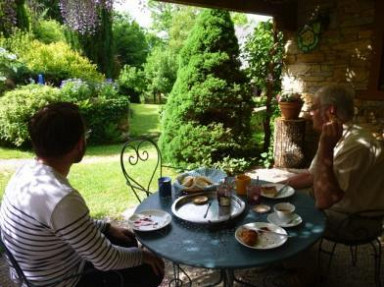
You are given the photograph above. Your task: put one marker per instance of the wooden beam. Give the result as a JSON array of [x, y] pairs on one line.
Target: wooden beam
[[284, 12]]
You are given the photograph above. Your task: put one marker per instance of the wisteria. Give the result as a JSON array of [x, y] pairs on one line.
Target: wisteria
[[8, 18], [83, 16]]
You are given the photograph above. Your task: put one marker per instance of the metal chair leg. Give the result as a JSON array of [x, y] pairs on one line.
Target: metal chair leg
[[377, 252], [176, 281], [353, 250], [330, 254]]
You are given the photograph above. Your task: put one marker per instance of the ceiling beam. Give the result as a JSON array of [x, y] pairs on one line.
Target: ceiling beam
[[284, 11]]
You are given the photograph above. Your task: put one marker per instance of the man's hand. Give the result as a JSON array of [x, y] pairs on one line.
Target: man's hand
[[331, 133], [121, 236], [155, 262], [326, 187]]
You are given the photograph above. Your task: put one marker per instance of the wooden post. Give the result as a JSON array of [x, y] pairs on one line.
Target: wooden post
[[289, 143]]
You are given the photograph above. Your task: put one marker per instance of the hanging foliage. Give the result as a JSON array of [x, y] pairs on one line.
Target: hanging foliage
[[84, 16]]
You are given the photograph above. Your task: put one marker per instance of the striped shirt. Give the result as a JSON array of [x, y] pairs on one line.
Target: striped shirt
[[46, 225]]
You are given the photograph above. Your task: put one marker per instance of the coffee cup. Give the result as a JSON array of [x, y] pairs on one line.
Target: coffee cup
[[284, 211], [242, 181], [165, 186]]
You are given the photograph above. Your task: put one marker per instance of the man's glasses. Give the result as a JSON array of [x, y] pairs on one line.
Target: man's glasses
[[87, 134], [315, 107]]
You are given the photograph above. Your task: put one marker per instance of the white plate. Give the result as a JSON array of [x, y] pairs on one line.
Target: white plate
[[287, 192], [148, 220], [265, 240], [296, 220]]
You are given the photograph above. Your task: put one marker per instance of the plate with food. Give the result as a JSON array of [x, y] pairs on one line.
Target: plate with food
[[204, 208], [198, 180], [276, 190], [261, 235], [148, 220]]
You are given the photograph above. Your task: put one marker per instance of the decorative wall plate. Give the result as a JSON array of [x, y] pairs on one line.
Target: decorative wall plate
[[308, 37]]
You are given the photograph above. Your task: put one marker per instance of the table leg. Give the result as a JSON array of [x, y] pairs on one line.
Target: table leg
[[176, 281], [229, 277]]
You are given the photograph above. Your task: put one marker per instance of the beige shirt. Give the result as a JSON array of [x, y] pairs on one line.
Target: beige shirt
[[359, 169]]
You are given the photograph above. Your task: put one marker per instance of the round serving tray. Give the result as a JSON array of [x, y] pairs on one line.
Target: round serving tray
[[209, 212]]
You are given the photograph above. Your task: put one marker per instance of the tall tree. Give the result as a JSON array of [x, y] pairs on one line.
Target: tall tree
[[13, 14], [160, 73], [207, 115], [98, 45], [130, 43], [264, 51]]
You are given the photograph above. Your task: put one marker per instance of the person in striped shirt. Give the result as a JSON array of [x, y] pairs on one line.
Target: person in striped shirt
[[46, 224]]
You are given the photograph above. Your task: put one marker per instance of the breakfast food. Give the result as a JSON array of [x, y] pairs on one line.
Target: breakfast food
[[261, 208], [248, 236], [195, 183], [269, 190], [200, 199]]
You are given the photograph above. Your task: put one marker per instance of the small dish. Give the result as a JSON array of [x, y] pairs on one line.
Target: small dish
[[148, 220], [296, 220], [261, 208]]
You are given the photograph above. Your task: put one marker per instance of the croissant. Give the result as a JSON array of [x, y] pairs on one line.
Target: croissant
[[195, 183]]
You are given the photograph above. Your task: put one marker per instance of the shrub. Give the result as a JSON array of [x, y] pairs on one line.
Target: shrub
[[74, 90], [78, 90], [207, 116], [132, 83], [12, 71], [17, 106], [108, 119], [48, 31], [58, 62]]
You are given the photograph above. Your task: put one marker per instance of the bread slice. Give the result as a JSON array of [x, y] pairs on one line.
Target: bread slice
[[270, 191]]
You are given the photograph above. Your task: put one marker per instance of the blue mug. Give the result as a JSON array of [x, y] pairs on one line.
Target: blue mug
[[165, 186]]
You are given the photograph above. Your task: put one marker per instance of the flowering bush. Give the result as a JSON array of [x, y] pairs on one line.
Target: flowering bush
[[289, 97]]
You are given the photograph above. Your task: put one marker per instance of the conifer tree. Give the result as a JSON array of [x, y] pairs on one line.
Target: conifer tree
[[207, 115]]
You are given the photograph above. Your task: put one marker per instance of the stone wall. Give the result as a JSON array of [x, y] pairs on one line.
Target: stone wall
[[343, 55]]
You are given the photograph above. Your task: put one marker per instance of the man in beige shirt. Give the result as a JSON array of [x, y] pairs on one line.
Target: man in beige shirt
[[347, 173]]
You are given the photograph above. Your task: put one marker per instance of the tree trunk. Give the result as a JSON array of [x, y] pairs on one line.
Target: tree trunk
[[289, 143]]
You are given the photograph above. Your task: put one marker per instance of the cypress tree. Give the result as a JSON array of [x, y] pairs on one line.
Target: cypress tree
[[207, 115]]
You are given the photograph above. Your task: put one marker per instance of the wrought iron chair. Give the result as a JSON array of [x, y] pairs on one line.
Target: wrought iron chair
[[22, 279], [356, 229], [143, 151]]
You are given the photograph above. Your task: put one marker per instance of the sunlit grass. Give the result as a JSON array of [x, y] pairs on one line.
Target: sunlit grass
[[100, 180], [9, 153]]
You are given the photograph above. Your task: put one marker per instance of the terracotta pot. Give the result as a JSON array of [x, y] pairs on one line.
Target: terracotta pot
[[290, 110]]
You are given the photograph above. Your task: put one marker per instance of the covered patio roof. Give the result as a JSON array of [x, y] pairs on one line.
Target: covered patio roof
[[283, 11]]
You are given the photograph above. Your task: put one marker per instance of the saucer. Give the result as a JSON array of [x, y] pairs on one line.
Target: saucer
[[296, 220]]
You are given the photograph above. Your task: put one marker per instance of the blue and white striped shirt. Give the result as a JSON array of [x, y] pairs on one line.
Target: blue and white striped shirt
[[46, 225]]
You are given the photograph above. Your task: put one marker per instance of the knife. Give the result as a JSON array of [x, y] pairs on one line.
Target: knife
[[269, 231], [281, 189], [206, 212]]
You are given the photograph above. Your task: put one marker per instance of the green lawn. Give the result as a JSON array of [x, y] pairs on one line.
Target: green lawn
[[100, 180], [98, 177]]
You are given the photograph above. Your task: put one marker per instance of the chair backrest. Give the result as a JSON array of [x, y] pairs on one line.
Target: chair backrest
[[141, 163], [355, 228], [14, 263], [23, 281]]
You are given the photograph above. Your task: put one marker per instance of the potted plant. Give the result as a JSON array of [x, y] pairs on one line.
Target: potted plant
[[290, 104]]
